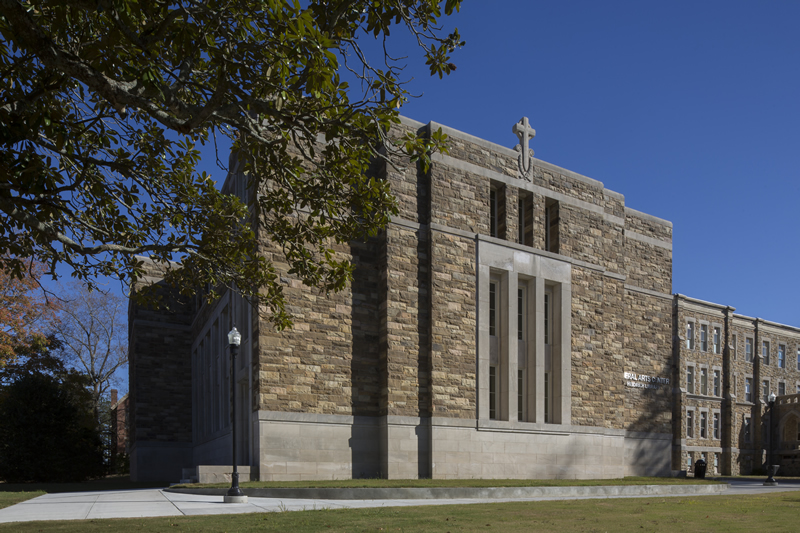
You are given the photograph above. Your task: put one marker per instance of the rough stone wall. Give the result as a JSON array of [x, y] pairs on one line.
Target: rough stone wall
[[159, 350], [328, 362], [453, 323]]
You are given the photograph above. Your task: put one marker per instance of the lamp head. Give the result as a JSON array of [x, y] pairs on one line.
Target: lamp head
[[772, 397], [234, 337]]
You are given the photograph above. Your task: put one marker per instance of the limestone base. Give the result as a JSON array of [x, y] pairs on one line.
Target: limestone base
[[234, 499]]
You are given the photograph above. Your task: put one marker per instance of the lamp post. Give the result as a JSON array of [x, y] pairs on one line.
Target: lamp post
[[771, 469], [235, 494]]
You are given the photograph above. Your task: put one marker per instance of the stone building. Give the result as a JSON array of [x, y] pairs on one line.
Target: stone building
[[726, 366], [515, 320]]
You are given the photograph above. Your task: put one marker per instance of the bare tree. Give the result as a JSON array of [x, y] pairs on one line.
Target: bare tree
[[93, 328]]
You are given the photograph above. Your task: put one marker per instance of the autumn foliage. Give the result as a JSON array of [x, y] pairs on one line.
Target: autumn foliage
[[25, 313]]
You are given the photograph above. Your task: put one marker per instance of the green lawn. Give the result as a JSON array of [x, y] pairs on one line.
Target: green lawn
[[428, 483], [7, 499], [775, 513]]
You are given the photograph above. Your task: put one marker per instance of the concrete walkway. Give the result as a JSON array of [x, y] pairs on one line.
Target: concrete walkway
[[157, 502]]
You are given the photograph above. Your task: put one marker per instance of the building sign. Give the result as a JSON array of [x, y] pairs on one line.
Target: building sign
[[642, 381]]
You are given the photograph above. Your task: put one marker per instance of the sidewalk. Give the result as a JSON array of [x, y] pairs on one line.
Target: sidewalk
[[157, 502]]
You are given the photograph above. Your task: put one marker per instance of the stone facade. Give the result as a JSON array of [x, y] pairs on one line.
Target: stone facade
[[503, 325], [726, 366]]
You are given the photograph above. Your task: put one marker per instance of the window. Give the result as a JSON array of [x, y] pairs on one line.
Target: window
[[781, 356], [748, 350], [704, 337], [520, 395], [689, 424], [690, 337], [798, 391], [497, 210], [765, 352], [492, 392], [551, 223], [690, 379], [689, 462], [748, 435], [704, 381], [716, 425], [548, 338], [781, 389], [703, 425], [716, 463], [716, 383], [716, 341], [765, 389], [493, 309], [520, 313], [748, 389], [525, 229]]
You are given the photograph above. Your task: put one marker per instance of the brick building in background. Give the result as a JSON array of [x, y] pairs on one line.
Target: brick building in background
[[514, 320]]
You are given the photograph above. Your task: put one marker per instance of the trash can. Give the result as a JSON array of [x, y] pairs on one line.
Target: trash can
[[700, 469]]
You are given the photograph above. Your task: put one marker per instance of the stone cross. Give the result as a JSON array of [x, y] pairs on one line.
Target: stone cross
[[525, 133]]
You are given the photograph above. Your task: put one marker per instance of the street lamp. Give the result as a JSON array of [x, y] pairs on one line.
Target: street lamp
[[771, 469], [235, 494]]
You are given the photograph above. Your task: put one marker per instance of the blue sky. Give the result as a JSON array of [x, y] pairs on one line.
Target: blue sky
[[689, 109]]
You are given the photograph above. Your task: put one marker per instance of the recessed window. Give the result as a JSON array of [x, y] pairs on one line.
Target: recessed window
[[781, 389], [492, 392], [748, 350], [717, 383], [765, 389], [716, 340], [716, 425], [690, 379], [690, 336], [748, 389], [781, 356], [525, 213], [748, 434], [552, 220], [689, 424], [765, 352], [704, 337], [703, 425], [704, 381], [497, 210]]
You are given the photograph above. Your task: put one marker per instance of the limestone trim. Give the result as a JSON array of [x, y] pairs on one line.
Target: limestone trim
[[646, 216], [634, 288], [630, 234], [515, 182], [544, 276]]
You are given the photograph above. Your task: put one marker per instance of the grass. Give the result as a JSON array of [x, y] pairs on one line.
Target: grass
[[428, 483], [7, 499], [776, 512]]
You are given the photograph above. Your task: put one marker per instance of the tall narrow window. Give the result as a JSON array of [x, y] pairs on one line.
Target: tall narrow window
[[716, 426], [493, 212], [690, 335], [493, 309], [716, 340], [781, 356], [497, 210], [520, 395], [748, 389], [703, 425], [551, 226], [525, 212], [689, 424], [548, 349], [781, 388], [765, 389], [748, 435], [704, 381], [520, 313], [492, 392], [765, 352], [704, 337], [748, 350], [717, 383], [690, 379]]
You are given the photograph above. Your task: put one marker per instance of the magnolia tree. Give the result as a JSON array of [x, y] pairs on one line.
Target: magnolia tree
[[104, 104]]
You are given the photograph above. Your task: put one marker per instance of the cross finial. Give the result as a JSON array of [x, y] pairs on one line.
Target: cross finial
[[525, 133]]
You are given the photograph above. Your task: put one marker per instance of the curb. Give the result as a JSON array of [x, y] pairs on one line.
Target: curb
[[468, 493]]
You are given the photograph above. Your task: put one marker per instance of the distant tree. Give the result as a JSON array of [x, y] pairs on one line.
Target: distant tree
[[48, 430], [103, 105], [25, 313], [92, 326]]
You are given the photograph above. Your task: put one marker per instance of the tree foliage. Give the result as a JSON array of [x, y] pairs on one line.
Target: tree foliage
[[104, 104], [48, 431], [25, 313]]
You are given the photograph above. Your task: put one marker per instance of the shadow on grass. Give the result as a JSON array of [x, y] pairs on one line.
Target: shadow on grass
[[106, 483]]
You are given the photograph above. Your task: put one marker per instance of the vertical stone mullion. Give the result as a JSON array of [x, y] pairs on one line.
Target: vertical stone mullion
[[539, 352]]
